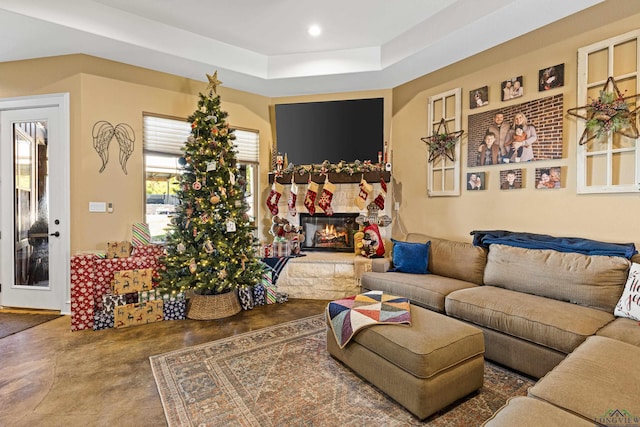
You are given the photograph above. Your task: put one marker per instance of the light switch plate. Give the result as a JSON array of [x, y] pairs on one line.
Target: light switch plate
[[97, 207]]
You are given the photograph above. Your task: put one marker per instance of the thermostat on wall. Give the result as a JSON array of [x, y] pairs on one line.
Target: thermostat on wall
[[97, 207]]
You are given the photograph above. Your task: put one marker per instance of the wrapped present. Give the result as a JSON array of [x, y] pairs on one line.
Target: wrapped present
[[281, 248], [245, 295], [127, 281], [118, 249], [175, 310], [138, 314], [174, 296], [259, 295], [82, 292], [266, 251], [140, 235], [104, 270], [103, 319], [149, 250], [110, 301], [150, 295], [269, 287]]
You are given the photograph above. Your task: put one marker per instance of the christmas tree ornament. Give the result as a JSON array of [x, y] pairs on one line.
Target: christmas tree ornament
[[213, 82], [274, 197], [365, 189], [214, 199], [208, 247], [181, 247], [328, 190], [204, 217], [193, 267], [222, 274], [231, 226], [379, 200], [310, 197], [197, 185], [211, 166], [293, 197]]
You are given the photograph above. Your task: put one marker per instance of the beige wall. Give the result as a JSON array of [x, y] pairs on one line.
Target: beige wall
[[610, 217], [118, 93], [105, 90]]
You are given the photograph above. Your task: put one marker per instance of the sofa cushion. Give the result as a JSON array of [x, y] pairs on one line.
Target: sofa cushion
[[424, 290], [622, 329], [410, 257], [592, 281], [559, 325], [597, 379], [458, 260], [629, 303], [525, 411]]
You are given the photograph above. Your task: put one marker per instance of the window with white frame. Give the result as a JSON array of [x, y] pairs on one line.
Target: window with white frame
[[443, 173], [164, 138], [610, 163]]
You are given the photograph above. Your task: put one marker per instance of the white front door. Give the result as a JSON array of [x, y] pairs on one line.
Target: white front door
[[34, 196]]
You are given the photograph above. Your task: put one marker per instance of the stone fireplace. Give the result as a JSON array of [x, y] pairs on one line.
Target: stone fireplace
[[328, 233]]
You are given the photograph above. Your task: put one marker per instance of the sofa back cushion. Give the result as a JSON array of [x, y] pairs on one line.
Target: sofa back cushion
[[458, 260], [593, 281]]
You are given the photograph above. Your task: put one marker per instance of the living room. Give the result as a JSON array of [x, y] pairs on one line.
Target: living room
[[102, 89]]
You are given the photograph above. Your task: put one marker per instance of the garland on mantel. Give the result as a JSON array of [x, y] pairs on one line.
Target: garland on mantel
[[326, 167]]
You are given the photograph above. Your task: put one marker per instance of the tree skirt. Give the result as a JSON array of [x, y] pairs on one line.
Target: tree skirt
[[283, 375]]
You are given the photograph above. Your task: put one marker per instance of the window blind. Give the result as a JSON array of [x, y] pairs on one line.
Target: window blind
[[168, 136]]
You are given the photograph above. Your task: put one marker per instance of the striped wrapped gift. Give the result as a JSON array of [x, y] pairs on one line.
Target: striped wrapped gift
[[140, 234]]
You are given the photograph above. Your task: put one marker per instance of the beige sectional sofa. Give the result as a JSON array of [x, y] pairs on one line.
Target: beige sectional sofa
[[535, 307]]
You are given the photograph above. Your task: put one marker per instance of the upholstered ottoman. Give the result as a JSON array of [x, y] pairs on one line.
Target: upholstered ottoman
[[424, 367]]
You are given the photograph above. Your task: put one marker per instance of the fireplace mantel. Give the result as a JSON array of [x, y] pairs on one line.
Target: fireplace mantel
[[334, 177]]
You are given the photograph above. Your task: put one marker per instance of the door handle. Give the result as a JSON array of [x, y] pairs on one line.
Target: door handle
[[57, 234]]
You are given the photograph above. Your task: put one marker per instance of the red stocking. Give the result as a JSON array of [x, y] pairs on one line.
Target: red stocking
[[327, 196], [379, 200], [274, 197], [361, 198], [310, 197], [293, 197]]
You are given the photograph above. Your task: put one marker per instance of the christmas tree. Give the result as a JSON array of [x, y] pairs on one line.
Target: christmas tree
[[210, 243]]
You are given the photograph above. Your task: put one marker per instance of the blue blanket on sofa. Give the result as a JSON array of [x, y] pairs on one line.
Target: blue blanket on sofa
[[560, 244]]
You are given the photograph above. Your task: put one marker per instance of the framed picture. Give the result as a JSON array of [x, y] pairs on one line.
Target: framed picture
[[512, 88], [479, 97], [475, 181], [511, 179], [518, 133], [551, 78], [548, 178]]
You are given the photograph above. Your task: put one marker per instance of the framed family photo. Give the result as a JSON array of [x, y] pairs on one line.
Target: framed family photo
[[548, 178], [479, 97], [512, 88], [476, 181], [511, 179], [551, 77]]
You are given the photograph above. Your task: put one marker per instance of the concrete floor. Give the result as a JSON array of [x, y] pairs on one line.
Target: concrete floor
[[50, 376]]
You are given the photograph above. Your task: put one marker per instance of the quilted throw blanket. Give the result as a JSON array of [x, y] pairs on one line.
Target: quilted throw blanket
[[349, 315]]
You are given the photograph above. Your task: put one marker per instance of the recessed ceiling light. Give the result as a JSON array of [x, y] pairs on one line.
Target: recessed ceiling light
[[314, 30]]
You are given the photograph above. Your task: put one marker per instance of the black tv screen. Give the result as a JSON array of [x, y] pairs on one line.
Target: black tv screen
[[312, 132]]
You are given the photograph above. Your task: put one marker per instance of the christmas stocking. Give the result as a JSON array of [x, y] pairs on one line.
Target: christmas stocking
[[310, 197], [379, 200], [274, 197], [365, 189], [293, 197], [327, 195]]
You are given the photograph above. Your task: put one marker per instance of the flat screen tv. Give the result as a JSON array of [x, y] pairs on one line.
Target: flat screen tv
[[312, 132]]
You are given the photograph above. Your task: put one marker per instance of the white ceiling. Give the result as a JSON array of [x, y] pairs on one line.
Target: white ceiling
[[262, 46]]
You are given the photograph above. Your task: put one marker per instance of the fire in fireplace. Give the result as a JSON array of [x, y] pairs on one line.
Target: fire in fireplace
[[328, 233]]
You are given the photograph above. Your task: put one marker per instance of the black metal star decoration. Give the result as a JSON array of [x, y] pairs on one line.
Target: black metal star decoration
[[609, 112], [214, 82], [442, 143]]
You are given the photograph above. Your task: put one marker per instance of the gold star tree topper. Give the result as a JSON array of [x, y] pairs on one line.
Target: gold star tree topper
[[442, 142], [214, 82]]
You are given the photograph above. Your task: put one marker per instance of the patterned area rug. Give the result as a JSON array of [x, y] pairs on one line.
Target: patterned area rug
[[284, 376]]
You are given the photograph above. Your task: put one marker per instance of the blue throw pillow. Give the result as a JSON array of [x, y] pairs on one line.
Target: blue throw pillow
[[409, 257]]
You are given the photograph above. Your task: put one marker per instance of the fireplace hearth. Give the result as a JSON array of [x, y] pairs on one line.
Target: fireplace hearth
[[328, 233]]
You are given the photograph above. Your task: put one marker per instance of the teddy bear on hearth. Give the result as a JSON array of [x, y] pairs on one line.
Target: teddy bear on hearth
[[282, 230]]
